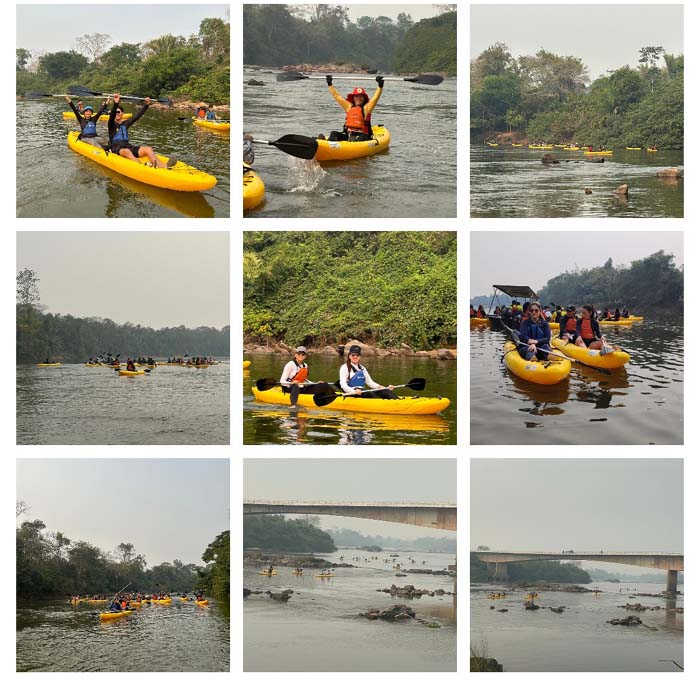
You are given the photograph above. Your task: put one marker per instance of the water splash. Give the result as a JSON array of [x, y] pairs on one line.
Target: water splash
[[303, 175]]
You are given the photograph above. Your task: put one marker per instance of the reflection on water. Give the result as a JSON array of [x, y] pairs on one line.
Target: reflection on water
[[641, 403]]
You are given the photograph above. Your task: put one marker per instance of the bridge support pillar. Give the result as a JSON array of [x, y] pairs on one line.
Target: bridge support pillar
[[671, 581], [498, 570]]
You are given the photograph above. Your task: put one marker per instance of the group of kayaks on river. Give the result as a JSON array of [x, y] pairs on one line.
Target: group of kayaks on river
[[535, 355], [358, 138], [126, 603], [573, 146], [298, 570]]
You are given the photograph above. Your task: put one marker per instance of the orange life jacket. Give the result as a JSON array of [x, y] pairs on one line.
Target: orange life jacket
[[201, 113], [301, 375], [355, 120], [570, 324], [587, 330]]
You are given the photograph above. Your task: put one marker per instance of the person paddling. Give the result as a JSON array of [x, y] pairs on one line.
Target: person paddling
[[119, 136], [87, 120], [295, 378], [358, 109], [354, 376], [535, 333]]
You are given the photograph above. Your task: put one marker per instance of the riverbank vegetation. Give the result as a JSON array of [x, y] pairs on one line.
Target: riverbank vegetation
[[216, 577], [72, 339], [323, 288], [195, 67], [278, 35], [549, 97], [652, 285], [275, 532], [52, 564], [353, 539], [551, 571]]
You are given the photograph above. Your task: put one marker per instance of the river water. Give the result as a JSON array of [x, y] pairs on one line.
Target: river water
[[53, 181], [319, 629], [579, 639], [182, 636], [641, 403], [271, 424], [417, 177], [508, 182], [74, 404]]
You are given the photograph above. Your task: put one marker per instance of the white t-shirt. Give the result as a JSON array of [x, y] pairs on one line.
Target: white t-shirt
[[289, 371], [345, 376]]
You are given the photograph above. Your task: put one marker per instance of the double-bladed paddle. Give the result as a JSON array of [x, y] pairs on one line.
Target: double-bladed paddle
[[417, 384], [264, 384], [294, 145], [422, 79], [41, 95], [80, 91]]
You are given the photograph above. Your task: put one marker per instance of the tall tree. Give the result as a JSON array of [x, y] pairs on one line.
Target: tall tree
[[93, 45]]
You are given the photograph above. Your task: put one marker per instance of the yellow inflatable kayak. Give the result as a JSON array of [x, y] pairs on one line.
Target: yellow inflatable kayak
[[633, 148], [597, 153], [402, 405], [104, 117], [591, 357], [124, 372], [253, 188], [212, 124], [476, 321], [549, 372], [346, 151], [181, 177], [47, 365], [109, 616], [247, 363]]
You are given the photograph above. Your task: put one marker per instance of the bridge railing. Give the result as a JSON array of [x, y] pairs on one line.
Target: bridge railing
[[359, 504], [578, 552]]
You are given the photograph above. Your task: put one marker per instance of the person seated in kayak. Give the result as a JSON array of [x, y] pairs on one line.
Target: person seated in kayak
[[295, 376], [248, 149], [358, 109], [568, 324], [536, 334], [472, 312], [354, 376], [88, 121], [616, 315], [481, 312], [130, 365], [201, 111], [119, 136], [588, 332], [115, 605], [625, 313], [547, 314]]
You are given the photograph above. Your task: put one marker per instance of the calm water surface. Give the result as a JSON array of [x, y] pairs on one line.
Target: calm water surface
[[579, 639], [57, 636], [74, 404], [319, 629], [271, 424], [641, 403], [51, 178], [508, 182], [417, 177]]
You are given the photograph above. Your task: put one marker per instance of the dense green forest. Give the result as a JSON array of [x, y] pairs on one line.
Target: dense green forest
[[382, 288], [548, 97], [348, 538], [50, 563], [276, 35], [654, 283], [275, 532], [216, 577], [547, 570], [72, 339], [196, 67]]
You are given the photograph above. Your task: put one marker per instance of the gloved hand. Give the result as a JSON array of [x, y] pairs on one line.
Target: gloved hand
[[329, 80], [380, 81]]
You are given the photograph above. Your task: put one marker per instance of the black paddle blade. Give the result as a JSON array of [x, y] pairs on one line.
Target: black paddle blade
[[417, 384], [298, 146], [288, 76], [36, 95], [427, 79], [325, 398], [265, 384], [80, 91]]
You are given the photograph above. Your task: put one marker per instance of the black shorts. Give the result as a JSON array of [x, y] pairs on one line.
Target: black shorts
[[118, 146], [588, 341]]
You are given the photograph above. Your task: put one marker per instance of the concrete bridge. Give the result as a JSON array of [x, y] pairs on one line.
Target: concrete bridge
[[671, 562], [430, 515]]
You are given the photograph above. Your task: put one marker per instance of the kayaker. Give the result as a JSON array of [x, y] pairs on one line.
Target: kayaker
[[248, 150], [588, 330], [130, 365], [88, 121], [354, 376], [358, 109], [119, 136], [536, 334], [472, 312], [115, 605], [625, 313], [481, 312], [568, 324], [295, 378], [201, 111]]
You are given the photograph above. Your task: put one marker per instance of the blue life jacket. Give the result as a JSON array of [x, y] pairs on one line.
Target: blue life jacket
[[211, 115], [121, 135], [90, 129], [357, 380]]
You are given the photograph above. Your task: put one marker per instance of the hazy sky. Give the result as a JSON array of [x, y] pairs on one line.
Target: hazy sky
[[167, 508], [495, 259], [605, 37], [170, 279], [361, 479], [417, 12], [53, 28], [592, 504]]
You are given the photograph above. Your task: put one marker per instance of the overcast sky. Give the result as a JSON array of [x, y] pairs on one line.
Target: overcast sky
[[605, 37], [495, 259], [391, 10], [54, 28], [167, 508], [167, 278], [362, 479], [593, 504]]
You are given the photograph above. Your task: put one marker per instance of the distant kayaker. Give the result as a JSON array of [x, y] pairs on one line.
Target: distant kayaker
[[88, 121], [481, 312], [536, 334], [358, 109], [248, 149], [130, 365], [119, 136], [354, 376]]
